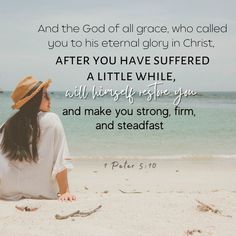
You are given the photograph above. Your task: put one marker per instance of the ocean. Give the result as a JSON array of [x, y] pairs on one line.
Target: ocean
[[206, 128]]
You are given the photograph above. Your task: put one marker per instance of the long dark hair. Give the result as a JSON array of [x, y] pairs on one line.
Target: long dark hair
[[21, 132]]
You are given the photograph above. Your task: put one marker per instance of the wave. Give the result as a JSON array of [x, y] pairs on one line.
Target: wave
[[170, 157]]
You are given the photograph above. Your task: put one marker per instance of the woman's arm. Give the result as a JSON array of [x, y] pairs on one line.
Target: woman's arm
[[62, 181]]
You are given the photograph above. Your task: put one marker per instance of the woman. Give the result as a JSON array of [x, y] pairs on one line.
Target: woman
[[33, 147]]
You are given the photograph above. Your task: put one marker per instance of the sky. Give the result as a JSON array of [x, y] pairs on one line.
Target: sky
[[24, 51]]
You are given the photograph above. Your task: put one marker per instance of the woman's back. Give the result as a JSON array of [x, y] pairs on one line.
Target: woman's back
[[37, 180]]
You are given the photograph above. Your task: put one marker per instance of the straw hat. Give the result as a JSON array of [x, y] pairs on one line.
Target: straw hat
[[22, 95]]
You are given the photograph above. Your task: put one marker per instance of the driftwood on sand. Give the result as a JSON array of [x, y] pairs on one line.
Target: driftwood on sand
[[77, 214], [204, 207], [192, 232], [129, 192], [26, 208]]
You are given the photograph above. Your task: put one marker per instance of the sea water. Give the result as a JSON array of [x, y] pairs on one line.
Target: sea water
[[211, 133]]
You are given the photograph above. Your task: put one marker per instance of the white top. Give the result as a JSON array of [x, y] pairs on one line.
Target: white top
[[37, 180]]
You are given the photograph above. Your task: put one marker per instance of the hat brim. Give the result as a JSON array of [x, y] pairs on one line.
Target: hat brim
[[24, 100]]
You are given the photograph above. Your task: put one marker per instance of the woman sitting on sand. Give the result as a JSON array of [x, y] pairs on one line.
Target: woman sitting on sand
[[33, 147]]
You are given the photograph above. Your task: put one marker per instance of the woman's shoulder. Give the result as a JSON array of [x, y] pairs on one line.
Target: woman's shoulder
[[48, 115], [49, 119]]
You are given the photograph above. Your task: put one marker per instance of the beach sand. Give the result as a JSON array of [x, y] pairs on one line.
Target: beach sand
[[159, 199]]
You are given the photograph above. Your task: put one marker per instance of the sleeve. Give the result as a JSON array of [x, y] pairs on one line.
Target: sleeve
[[61, 157]]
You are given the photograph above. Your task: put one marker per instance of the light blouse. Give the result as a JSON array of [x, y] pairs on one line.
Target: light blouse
[[37, 180]]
